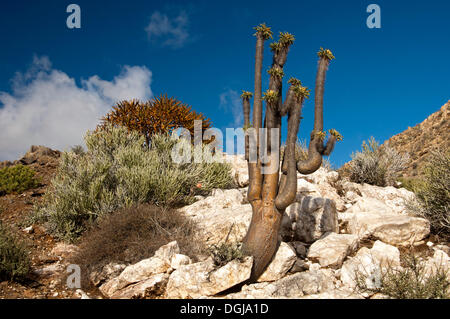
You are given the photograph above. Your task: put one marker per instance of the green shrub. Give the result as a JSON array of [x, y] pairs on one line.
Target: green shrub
[[376, 165], [17, 179], [433, 193], [412, 281], [14, 259], [118, 170], [225, 252], [411, 183]]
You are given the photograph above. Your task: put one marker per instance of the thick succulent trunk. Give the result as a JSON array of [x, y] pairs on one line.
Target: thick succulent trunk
[[261, 240], [316, 148], [268, 194], [254, 169]]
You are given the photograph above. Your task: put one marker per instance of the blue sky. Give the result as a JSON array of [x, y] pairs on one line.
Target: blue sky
[[56, 82]]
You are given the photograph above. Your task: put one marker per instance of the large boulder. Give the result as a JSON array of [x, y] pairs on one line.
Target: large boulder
[[179, 260], [309, 220], [39, 154], [319, 184], [142, 271], [220, 215], [332, 249], [107, 272], [152, 286], [202, 279], [368, 264], [394, 198], [335, 294], [239, 169], [369, 205], [439, 262], [394, 229], [283, 260], [305, 188], [291, 286], [321, 176]]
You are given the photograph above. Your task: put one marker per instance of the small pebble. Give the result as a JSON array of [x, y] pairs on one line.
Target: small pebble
[[28, 230]]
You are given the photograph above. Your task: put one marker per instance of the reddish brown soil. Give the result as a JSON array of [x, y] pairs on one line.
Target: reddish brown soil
[[15, 210]]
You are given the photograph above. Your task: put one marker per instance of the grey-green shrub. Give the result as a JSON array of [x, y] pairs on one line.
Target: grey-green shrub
[[433, 193], [225, 252], [376, 165], [412, 281], [14, 258], [119, 170], [77, 149]]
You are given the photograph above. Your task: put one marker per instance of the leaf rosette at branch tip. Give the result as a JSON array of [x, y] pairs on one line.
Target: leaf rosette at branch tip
[[246, 94], [275, 46], [321, 135], [336, 134], [286, 38], [264, 31], [277, 72], [302, 91], [270, 96], [295, 82], [325, 53]]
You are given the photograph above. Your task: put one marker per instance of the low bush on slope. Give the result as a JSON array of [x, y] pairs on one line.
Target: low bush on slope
[[119, 170], [17, 179], [135, 233], [433, 193], [376, 165], [411, 281], [14, 258]]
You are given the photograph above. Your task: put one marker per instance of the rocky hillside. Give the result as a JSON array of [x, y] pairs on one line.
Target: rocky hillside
[[333, 231], [419, 140], [45, 252]]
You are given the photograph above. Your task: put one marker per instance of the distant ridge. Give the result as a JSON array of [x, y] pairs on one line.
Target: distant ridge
[[418, 141]]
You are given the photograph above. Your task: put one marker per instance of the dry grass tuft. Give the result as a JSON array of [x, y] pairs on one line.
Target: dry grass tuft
[[132, 234]]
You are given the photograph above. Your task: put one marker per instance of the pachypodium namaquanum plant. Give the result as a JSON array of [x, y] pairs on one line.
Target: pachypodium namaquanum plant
[[271, 193]]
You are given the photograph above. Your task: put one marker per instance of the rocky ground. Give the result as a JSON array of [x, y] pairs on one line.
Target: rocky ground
[[47, 278], [333, 230]]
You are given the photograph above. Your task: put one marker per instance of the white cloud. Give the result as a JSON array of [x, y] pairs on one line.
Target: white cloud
[[173, 32], [230, 101], [47, 107]]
